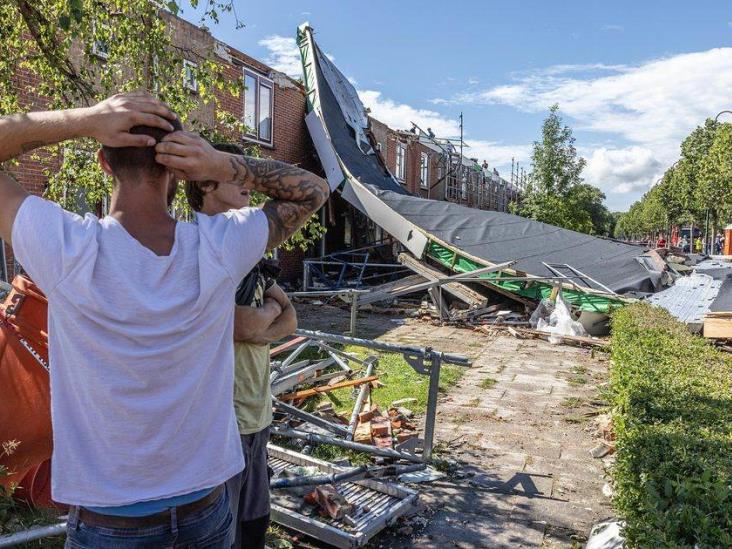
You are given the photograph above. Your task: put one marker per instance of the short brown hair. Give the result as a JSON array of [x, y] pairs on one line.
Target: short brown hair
[[194, 189], [136, 161]]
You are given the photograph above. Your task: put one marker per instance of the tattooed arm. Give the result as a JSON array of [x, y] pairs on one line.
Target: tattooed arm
[[109, 122], [296, 193]]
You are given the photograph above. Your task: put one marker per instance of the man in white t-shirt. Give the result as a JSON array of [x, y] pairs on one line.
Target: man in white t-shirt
[[141, 322]]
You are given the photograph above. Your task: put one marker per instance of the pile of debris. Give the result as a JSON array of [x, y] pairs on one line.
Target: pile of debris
[[338, 502], [470, 300], [701, 297]]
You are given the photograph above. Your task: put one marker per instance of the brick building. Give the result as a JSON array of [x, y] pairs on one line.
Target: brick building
[[273, 106], [433, 168]]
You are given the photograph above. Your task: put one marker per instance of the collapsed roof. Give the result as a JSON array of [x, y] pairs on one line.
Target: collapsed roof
[[462, 239]]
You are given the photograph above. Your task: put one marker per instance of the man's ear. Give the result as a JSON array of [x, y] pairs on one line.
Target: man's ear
[[106, 168], [207, 187]]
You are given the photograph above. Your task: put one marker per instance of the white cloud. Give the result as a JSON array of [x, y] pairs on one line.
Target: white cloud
[[400, 115], [473, 81], [498, 154], [284, 55], [623, 170], [616, 28], [649, 108]]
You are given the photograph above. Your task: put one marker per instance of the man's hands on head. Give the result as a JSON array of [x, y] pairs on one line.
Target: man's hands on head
[[191, 157], [110, 121]]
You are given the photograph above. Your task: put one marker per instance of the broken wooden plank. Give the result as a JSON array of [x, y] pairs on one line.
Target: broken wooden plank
[[718, 327], [392, 289], [305, 393], [440, 303], [289, 345], [457, 289], [362, 433]]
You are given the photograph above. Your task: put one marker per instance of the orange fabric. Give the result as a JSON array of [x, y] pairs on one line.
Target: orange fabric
[[25, 414]]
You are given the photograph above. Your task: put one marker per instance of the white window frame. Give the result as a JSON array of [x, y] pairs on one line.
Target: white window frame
[[401, 162], [99, 47], [262, 81], [424, 170], [190, 82]]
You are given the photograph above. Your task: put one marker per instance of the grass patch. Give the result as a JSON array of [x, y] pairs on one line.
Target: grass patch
[[579, 369], [672, 397], [572, 402], [487, 383], [577, 380], [400, 381]]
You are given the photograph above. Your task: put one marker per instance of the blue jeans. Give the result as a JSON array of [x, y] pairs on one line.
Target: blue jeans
[[209, 528]]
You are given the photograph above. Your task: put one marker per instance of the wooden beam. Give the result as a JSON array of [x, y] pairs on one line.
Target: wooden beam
[[718, 327], [287, 346], [457, 289], [305, 393]]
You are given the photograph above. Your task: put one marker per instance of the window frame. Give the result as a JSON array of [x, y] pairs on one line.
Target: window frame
[[187, 84], [262, 81], [401, 167], [99, 48], [424, 170]]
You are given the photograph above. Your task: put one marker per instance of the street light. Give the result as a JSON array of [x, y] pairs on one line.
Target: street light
[[707, 240]]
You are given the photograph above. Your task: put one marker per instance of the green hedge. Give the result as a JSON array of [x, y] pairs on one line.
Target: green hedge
[[673, 422]]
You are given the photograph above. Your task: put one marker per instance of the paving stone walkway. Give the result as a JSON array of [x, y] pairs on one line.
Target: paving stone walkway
[[519, 423]]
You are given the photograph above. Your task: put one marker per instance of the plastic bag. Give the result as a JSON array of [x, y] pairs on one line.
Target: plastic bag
[[560, 322]]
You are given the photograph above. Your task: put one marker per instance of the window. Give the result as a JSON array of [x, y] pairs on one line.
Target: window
[[401, 171], [258, 107], [100, 46], [190, 82], [424, 171]]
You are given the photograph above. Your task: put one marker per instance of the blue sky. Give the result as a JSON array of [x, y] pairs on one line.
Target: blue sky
[[631, 78]]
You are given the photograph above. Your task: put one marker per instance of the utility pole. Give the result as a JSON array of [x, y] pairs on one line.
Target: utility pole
[[461, 139]]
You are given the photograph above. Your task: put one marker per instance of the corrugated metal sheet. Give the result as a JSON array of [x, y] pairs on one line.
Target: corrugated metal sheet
[[689, 298]]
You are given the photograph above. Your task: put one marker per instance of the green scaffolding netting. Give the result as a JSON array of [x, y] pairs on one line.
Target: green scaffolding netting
[[535, 290]]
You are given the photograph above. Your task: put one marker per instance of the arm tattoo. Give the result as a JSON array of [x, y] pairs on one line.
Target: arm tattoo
[[296, 193], [31, 145]]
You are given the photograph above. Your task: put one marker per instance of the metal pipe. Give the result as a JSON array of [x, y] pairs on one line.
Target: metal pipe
[[448, 358], [327, 293], [33, 534], [310, 418], [359, 473], [359, 263], [354, 313], [315, 480], [429, 424], [366, 448], [359, 402]]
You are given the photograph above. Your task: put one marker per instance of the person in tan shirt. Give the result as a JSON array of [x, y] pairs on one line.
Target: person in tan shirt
[[263, 315]]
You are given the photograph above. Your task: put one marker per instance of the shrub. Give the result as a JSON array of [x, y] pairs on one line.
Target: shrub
[[672, 397]]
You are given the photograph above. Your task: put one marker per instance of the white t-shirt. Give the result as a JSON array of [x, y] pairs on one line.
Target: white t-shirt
[[141, 350]]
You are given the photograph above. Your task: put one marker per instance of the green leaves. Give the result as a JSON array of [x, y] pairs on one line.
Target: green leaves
[[672, 396], [700, 182], [557, 194]]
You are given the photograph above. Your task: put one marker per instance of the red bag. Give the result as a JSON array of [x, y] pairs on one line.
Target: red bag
[[25, 414]]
